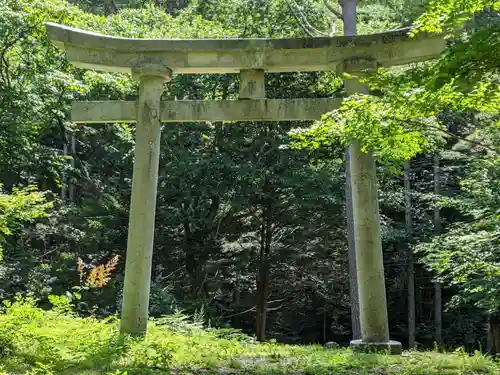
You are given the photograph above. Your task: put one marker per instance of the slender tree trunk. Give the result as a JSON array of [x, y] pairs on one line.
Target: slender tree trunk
[[324, 326], [64, 191], [494, 333], [349, 11], [438, 313], [349, 17], [190, 257], [237, 292], [418, 296], [73, 156], [237, 297], [438, 298], [411, 272], [263, 278], [110, 7]]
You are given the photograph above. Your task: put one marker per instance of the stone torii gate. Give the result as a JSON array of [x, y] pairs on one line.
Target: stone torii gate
[[154, 61]]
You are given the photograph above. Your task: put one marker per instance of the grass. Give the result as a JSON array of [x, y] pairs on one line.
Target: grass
[[33, 341]]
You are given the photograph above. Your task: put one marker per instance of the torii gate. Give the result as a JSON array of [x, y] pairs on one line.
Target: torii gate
[[153, 61]]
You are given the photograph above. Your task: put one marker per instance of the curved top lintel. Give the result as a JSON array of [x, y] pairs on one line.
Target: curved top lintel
[[101, 52]]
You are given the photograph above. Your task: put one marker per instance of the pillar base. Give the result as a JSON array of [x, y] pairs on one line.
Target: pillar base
[[391, 347]]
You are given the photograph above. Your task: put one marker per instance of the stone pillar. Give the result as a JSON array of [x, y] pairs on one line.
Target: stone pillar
[[368, 243], [136, 289]]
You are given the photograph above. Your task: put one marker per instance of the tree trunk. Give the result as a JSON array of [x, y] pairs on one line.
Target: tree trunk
[[419, 311], [349, 17], [438, 313], [110, 7], [195, 262], [324, 326], [237, 298], [494, 333], [411, 272], [73, 156], [198, 240], [349, 10], [263, 278], [64, 177], [438, 298], [190, 257]]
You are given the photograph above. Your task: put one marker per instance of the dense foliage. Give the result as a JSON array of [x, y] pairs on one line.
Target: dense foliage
[[233, 196], [19, 206]]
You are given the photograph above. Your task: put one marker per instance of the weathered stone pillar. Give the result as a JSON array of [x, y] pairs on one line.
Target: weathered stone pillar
[[368, 243], [136, 289]]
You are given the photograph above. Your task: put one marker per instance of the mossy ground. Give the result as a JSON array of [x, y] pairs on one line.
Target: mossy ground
[[34, 341]]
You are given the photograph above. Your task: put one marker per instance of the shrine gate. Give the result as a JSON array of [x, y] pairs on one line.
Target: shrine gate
[[154, 61]]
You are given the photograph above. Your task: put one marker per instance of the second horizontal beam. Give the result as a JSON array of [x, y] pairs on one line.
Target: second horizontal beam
[[206, 110]]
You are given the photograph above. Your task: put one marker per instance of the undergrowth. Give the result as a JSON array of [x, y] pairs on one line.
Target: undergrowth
[[35, 341]]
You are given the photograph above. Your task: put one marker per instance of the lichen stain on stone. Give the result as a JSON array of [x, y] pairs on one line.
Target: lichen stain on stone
[[153, 112]]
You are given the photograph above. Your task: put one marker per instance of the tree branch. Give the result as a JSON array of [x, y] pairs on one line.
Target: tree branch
[[465, 139], [297, 18], [240, 313], [4, 65], [302, 20], [333, 10]]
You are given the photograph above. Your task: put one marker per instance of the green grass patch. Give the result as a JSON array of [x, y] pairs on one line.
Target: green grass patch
[[34, 341]]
